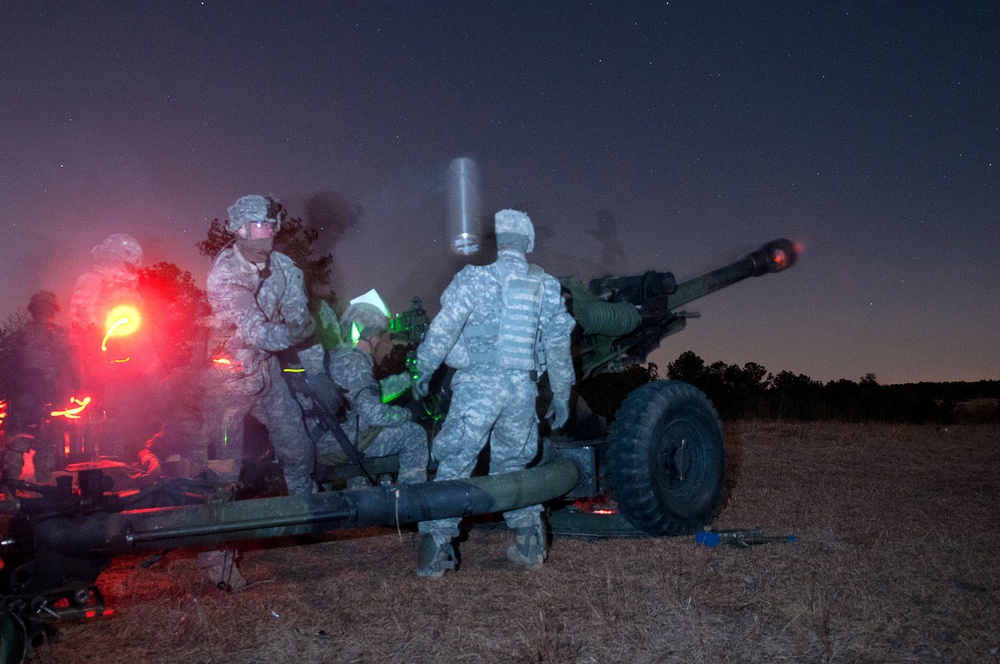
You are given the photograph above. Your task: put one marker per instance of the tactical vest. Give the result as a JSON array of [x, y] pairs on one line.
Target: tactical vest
[[516, 334]]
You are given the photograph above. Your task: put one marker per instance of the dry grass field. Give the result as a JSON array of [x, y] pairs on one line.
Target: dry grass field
[[895, 561]]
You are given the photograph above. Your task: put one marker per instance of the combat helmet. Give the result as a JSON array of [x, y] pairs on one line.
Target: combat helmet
[[514, 222], [43, 299], [249, 209], [365, 317], [120, 246]]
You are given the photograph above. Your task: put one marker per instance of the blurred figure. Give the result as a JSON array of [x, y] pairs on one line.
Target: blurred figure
[[118, 371], [179, 443], [258, 309], [41, 375], [500, 326], [378, 429]]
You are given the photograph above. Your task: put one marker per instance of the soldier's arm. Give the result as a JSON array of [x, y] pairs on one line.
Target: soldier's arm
[[353, 372], [557, 327], [457, 303], [294, 302]]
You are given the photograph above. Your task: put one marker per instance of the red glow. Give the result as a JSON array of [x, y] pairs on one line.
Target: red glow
[[602, 504], [780, 258]]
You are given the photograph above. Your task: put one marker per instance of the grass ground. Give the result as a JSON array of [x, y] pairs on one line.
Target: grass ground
[[895, 561]]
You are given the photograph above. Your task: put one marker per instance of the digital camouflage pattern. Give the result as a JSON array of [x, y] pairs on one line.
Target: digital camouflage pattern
[[256, 312], [394, 432], [490, 403]]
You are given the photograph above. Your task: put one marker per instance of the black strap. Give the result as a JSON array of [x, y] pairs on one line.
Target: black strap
[[326, 410]]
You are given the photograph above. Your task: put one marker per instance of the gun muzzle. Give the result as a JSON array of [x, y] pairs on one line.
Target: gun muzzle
[[774, 256]]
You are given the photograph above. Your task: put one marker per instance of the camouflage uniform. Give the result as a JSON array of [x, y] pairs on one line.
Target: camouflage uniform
[[489, 402], [379, 429], [253, 318], [40, 374]]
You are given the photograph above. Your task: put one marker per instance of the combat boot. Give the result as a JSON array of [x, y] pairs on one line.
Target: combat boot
[[436, 556], [528, 550]]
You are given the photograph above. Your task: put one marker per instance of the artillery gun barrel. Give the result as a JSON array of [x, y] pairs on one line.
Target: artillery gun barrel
[[774, 256], [104, 535]]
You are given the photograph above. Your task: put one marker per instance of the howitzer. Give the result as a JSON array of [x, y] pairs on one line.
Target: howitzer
[[659, 469]]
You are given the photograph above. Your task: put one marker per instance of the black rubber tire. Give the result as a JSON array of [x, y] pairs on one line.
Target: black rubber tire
[[667, 458], [13, 639]]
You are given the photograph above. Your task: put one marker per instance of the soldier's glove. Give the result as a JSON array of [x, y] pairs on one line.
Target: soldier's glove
[[421, 387], [558, 413], [299, 330]]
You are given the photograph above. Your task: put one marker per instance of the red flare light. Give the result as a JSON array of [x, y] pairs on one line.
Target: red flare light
[[121, 321]]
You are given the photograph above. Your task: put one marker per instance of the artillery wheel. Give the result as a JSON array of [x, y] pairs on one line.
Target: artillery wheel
[[667, 458]]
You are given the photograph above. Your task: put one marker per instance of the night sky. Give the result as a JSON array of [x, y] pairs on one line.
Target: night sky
[[867, 131]]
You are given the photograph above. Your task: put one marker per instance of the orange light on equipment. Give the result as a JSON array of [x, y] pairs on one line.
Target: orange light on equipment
[[73, 412], [121, 321]]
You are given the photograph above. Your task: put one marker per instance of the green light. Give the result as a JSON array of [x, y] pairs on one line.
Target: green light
[[386, 398], [293, 370], [355, 333]]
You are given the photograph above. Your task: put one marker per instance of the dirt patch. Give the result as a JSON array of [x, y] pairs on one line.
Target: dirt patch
[[895, 561]]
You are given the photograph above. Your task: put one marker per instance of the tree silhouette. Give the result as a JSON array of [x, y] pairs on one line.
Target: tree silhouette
[[174, 311]]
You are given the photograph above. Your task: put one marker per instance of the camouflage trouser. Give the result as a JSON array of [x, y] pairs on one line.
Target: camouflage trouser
[[493, 405], [274, 406], [408, 440]]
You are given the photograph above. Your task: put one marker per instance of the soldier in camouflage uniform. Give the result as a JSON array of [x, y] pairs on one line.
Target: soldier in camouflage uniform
[[259, 308], [500, 326], [121, 372], [41, 374], [379, 429]]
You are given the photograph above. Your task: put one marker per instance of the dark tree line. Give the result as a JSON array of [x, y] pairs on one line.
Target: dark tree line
[[752, 392]]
